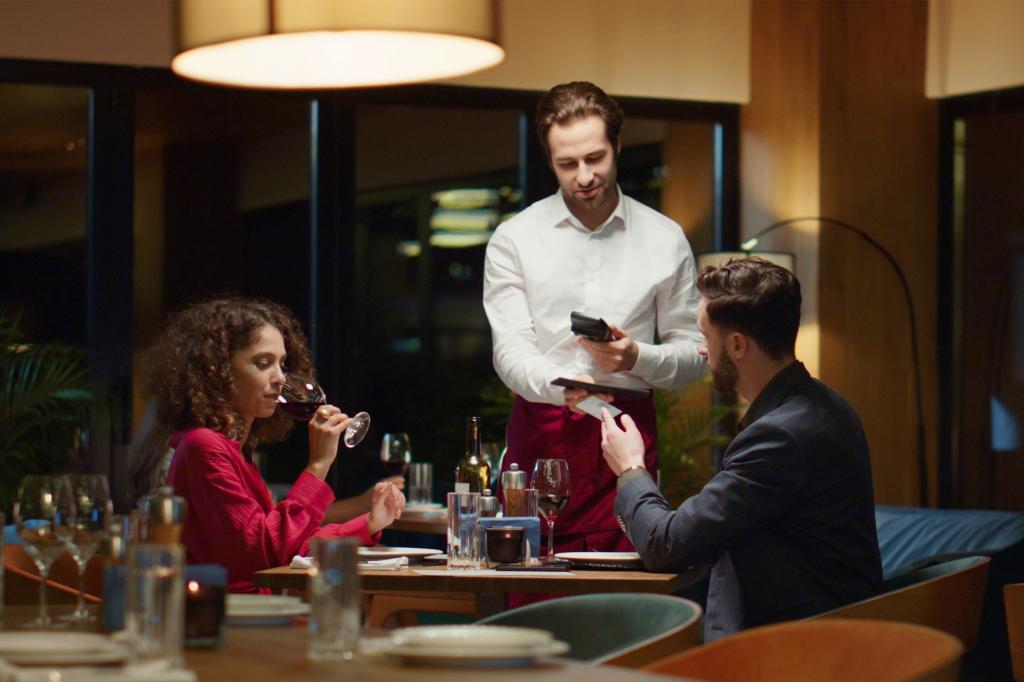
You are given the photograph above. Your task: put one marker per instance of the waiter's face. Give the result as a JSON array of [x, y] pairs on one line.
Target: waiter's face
[[584, 163], [724, 373]]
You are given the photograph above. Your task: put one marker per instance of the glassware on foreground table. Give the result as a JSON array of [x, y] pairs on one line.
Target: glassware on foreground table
[[420, 483], [551, 479], [334, 599], [464, 530], [301, 397], [154, 613], [90, 509], [395, 453], [38, 516]]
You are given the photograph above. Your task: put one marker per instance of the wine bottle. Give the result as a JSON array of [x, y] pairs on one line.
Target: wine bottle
[[472, 468]]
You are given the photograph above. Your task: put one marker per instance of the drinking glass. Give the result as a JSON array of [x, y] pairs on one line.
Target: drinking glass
[[154, 613], [464, 530], [421, 483], [38, 516], [395, 453], [551, 479], [300, 398], [334, 599], [91, 510]]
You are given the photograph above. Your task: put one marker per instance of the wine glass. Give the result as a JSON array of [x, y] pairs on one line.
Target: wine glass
[[38, 515], [395, 453], [551, 479], [300, 398], [88, 495]]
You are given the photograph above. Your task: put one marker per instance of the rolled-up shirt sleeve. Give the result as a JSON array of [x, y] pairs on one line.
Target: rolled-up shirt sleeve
[[517, 358], [675, 361]]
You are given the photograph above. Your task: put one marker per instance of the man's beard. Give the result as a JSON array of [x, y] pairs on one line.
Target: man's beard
[[725, 375], [600, 198]]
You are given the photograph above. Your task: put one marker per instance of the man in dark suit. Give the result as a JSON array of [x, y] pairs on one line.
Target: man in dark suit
[[789, 520]]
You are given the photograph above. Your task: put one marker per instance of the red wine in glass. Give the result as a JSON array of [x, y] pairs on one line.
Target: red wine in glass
[[551, 479], [300, 411], [552, 505], [395, 468], [395, 453]]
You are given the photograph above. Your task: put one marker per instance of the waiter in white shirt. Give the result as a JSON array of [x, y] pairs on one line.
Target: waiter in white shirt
[[587, 248]]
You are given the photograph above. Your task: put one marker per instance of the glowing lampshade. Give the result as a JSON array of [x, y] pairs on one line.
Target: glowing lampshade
[[319, 44]]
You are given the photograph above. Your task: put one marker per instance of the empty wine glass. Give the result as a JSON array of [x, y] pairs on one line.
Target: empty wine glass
[[38, 515], [300, 398], [551, 479], [90, 501], [395, 453]]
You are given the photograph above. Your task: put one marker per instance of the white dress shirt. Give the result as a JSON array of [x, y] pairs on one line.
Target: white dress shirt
[[635, 271]]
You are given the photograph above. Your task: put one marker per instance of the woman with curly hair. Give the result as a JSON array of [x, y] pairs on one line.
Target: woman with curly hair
[[216, 373]]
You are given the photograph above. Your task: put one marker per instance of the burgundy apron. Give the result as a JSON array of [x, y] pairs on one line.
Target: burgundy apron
[[539, 431]]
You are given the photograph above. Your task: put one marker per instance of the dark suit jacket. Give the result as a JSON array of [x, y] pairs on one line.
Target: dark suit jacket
[[788, 521]]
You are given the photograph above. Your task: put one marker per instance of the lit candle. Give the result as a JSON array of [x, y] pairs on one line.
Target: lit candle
[[204, 614]]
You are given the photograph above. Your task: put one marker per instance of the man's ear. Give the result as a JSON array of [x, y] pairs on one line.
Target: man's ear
[[737, 345]]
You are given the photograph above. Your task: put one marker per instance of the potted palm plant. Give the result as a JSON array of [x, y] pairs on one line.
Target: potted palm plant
[[46, 398]]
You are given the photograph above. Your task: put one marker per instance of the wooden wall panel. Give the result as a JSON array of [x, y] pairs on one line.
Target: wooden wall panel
[[872, 145]]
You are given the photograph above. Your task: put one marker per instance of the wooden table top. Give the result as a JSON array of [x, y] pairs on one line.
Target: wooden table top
[[574, 582], [256, 654], [431, 524]]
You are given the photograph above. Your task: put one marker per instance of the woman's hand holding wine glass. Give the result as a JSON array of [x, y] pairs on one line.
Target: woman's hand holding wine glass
[[551, 479]]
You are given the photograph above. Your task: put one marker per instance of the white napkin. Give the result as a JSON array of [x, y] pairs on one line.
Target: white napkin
[[301, 562], [142, 672], [395, 564]]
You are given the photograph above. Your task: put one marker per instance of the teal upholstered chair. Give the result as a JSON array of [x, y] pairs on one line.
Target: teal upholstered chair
[[947, 596], [629, 630]]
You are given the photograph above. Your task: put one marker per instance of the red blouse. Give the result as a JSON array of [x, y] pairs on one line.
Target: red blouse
[[232, 520]]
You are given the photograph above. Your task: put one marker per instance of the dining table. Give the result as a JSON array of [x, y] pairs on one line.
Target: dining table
[[486, 588], [272, 654]]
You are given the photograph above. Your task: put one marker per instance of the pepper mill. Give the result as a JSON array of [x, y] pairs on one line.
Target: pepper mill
[[513, 483], [167, 514], [488, 503]]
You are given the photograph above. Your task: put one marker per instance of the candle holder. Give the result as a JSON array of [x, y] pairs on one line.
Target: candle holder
[[205, 596]]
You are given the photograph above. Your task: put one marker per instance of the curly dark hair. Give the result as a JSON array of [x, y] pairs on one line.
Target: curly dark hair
[[188, 369], [756, 298]]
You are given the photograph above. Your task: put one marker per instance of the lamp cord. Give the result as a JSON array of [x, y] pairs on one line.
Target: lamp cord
[[922, 461]]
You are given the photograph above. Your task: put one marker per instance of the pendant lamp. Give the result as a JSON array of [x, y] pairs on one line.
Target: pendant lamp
[[324, 44]]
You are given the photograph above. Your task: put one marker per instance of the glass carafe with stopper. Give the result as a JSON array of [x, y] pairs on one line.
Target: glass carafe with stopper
[[472, 468]]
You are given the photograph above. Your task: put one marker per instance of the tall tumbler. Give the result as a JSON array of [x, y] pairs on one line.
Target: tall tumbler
[[154, 614], [420, 482], [464, 530], [334, 599]]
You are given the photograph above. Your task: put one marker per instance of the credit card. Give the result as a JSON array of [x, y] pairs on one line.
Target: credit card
[[592, 405]]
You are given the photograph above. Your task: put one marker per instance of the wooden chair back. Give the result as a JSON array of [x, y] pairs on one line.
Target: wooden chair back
[[947, 596], [819, 650], [1013, 595]]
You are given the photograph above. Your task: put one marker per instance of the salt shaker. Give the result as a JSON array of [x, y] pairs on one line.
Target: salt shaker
[[166, 517], [488, 503]]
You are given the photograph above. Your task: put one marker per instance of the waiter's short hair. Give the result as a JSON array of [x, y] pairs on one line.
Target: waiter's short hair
[[756, 298], [576, 100]]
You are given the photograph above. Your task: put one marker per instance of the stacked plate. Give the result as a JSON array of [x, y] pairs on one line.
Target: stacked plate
[[472, 645], [263, 609], [625, 561], [60, 649]]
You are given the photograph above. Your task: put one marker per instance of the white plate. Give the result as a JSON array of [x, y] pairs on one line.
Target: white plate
[[59, 648], [391, 552], [603, 559], [263, 610], [420, 507], [472, 645]]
